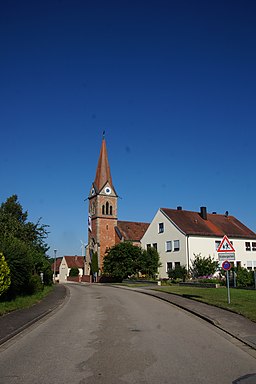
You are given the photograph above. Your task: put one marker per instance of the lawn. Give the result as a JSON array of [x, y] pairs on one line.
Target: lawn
[[242, 301], [23, 301]]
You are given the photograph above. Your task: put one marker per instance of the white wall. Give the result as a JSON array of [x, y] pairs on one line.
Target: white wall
[[170, 233], [190, 246], [207, 247], [63, 271]]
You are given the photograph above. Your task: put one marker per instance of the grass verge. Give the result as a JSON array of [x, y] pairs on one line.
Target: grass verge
[[242, 301], [23, 301]]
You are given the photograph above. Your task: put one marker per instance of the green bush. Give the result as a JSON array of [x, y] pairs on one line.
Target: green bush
[[244, 278], [179, 273], [34, 285], [203, 266], [5, 279], [74, 271]]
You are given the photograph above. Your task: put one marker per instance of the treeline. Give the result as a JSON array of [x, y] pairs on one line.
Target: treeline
[[24, 267]]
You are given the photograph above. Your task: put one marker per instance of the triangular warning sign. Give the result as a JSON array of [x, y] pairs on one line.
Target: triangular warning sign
[[225, 245]]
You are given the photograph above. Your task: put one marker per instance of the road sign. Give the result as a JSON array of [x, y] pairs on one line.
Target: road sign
[[226, 256], [225, 246], [226, 265]]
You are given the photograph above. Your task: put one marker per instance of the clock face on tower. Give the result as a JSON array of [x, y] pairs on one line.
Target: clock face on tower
[[107, 190], [92, 191]]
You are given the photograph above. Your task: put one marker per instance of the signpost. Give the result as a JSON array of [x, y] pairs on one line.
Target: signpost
[[226, 253]]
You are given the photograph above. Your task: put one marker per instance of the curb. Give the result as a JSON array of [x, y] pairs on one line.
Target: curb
[[37, 318]]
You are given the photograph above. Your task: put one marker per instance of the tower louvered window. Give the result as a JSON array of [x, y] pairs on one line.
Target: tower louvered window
[[107, 209]]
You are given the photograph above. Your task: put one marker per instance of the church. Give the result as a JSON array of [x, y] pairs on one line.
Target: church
[[177, 234], [104, 228]]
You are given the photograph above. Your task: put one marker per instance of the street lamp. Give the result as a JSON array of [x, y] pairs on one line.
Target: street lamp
[[54, 266]]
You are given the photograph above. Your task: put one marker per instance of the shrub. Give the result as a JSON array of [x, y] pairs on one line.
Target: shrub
[[203, 266], [74, 271], [34, 285], [5, 279], [244, 278], [180, 272]]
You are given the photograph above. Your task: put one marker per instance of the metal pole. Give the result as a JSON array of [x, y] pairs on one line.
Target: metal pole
[[228, 287], [54, 266]]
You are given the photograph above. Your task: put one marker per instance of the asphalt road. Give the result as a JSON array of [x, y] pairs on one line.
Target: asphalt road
[[114, 336]]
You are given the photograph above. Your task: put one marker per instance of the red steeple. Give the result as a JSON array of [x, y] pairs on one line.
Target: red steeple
[[103, 174]]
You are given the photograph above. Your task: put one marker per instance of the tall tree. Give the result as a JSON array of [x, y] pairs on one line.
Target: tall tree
[[149, 262], [23, 244], [126, 259]]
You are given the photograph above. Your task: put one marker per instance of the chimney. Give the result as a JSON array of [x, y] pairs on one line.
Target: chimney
[[179, 208], [203, 213]]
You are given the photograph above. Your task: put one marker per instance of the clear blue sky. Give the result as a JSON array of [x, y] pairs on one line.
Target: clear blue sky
[[173, 83]]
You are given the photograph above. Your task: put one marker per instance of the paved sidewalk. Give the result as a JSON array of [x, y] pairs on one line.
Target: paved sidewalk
[[14, 322], [233, 324]]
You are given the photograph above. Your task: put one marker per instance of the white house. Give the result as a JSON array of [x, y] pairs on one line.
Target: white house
[[68, 262], [178, 235]]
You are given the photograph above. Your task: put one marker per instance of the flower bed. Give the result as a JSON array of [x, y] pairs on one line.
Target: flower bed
[[200, 284]]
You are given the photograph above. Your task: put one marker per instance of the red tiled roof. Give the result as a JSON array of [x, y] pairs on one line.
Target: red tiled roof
[[75, 261], [191, 223], [130, 230]]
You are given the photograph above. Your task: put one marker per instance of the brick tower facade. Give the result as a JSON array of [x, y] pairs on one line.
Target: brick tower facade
[[102, 218]]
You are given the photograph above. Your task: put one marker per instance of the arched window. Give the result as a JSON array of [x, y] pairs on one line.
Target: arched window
[[107, 207], [103, 209], [110, 212]]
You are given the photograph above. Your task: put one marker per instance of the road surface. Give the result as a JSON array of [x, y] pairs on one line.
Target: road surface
[[116, 336]]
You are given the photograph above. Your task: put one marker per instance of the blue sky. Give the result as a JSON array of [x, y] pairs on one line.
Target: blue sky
[[171, 82]]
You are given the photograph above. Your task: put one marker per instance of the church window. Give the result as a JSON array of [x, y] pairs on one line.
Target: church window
[[107, 209], [92, 209]]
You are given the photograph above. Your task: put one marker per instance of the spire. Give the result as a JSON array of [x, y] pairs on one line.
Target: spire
[[103, 174]]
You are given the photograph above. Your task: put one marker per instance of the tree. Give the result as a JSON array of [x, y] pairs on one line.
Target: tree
[[148, 262], [203, 266], [5, 279], [125, 259], [120, 260], [23, 244], [74, 271], [94, 263]]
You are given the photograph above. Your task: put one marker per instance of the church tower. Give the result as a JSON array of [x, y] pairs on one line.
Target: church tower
[[102, 218]]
